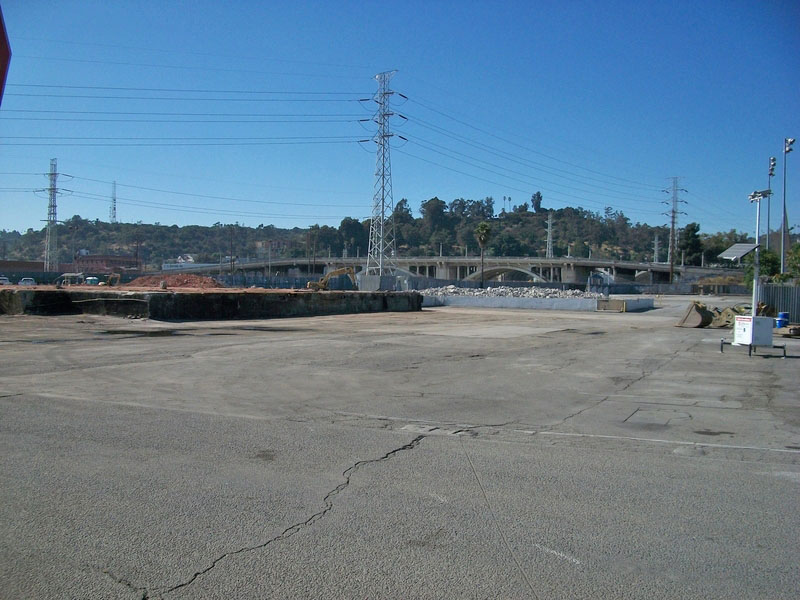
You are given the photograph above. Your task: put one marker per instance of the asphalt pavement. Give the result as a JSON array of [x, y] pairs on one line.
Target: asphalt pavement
[[450, 453]]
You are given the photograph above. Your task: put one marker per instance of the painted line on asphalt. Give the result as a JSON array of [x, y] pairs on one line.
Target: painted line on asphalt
[[658, 441], [557, 553]]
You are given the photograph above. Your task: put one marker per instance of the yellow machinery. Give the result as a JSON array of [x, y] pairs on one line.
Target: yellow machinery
[[322, 284]]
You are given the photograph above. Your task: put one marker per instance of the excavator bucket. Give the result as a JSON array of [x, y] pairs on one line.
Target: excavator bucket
[[726, 318], [697, 315]]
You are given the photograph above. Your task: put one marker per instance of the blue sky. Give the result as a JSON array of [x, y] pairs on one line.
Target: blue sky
[[207, 112]]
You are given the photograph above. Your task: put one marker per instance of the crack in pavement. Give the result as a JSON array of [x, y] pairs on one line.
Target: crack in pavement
[[145, 594], [291, 530], [645, 373]]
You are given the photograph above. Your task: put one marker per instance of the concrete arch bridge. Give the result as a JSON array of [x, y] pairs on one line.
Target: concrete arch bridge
[[563, 269]]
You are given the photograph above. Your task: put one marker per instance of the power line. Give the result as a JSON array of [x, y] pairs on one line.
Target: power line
[[184, 90], [174, 98], [179, 144], [208, 196], [510, 187], [514, 158], [193, 209], [186, 67], [174, 139], [533, 181], [180, 121], [172, 52], [489, 133], [175, 114]]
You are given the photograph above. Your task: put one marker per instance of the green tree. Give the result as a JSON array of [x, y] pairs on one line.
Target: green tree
[[402, 213], [769, 265], [793, 261], [354, 236], [507, 244], [536, 202], [716, 243], [483, 233], [434, 216], [691, 245]]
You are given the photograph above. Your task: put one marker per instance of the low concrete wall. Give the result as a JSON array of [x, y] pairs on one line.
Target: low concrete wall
[[586, 304], [189, 306], [579, 304], [629, 305]]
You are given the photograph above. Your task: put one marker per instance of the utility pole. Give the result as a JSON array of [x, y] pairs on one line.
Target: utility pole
[[549, 252], [112, 213], [382, 248], [51, 239], [673, 214]]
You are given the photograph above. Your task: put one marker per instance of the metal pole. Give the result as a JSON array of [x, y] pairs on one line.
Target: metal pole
[[757, 200], [769, 186], [787, 147]]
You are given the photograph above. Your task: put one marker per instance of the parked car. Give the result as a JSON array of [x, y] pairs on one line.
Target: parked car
[[4, 280], [27, 281]]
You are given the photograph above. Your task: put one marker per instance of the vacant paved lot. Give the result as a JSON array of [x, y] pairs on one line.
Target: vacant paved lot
[[451, 453]]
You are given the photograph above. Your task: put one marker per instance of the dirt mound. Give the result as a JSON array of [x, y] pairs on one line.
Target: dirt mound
[[176, 281]]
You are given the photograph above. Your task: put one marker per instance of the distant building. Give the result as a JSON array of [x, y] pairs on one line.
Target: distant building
[[19, 266], [105, 263]]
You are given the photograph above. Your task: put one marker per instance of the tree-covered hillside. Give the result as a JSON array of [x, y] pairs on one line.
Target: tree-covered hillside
[[443, 228]]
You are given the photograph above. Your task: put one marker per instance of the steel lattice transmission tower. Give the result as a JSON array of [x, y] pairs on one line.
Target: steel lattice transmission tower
[[382, 248], [112, 212], [51, 239], [673, 215]]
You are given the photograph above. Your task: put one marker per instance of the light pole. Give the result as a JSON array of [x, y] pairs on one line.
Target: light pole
[[787, 147], [757, 197], [772, 162]]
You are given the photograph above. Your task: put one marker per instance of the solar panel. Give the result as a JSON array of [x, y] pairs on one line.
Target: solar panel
[[738, 251]]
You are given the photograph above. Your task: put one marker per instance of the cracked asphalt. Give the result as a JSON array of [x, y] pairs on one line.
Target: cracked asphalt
[[451, 453]]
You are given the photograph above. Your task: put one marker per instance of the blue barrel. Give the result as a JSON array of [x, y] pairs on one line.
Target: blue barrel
[[782, 320]]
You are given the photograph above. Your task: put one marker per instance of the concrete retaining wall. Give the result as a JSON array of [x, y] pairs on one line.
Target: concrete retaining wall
[[588, 304], [579, 304], [188, 306]]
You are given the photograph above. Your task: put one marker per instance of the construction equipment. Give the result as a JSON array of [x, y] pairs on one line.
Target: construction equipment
[[322, 284], [697, 315], [66, 279], [700, 315], [113, 279]]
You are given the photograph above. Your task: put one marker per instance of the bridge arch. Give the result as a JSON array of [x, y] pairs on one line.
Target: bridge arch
[[492, 272]]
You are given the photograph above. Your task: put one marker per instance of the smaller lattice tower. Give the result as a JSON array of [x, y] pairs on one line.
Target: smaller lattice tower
[[51, 239], [112, 212]]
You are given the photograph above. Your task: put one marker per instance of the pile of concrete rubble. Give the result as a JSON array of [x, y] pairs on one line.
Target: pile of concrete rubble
[[506, 292]]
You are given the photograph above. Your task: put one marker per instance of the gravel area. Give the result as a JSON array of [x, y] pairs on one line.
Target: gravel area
[[510, 292]]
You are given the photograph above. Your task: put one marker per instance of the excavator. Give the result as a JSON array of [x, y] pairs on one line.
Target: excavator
[[111, 280], [322, 284]]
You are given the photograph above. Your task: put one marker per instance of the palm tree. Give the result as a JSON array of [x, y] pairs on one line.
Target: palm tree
[[483, 232]]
